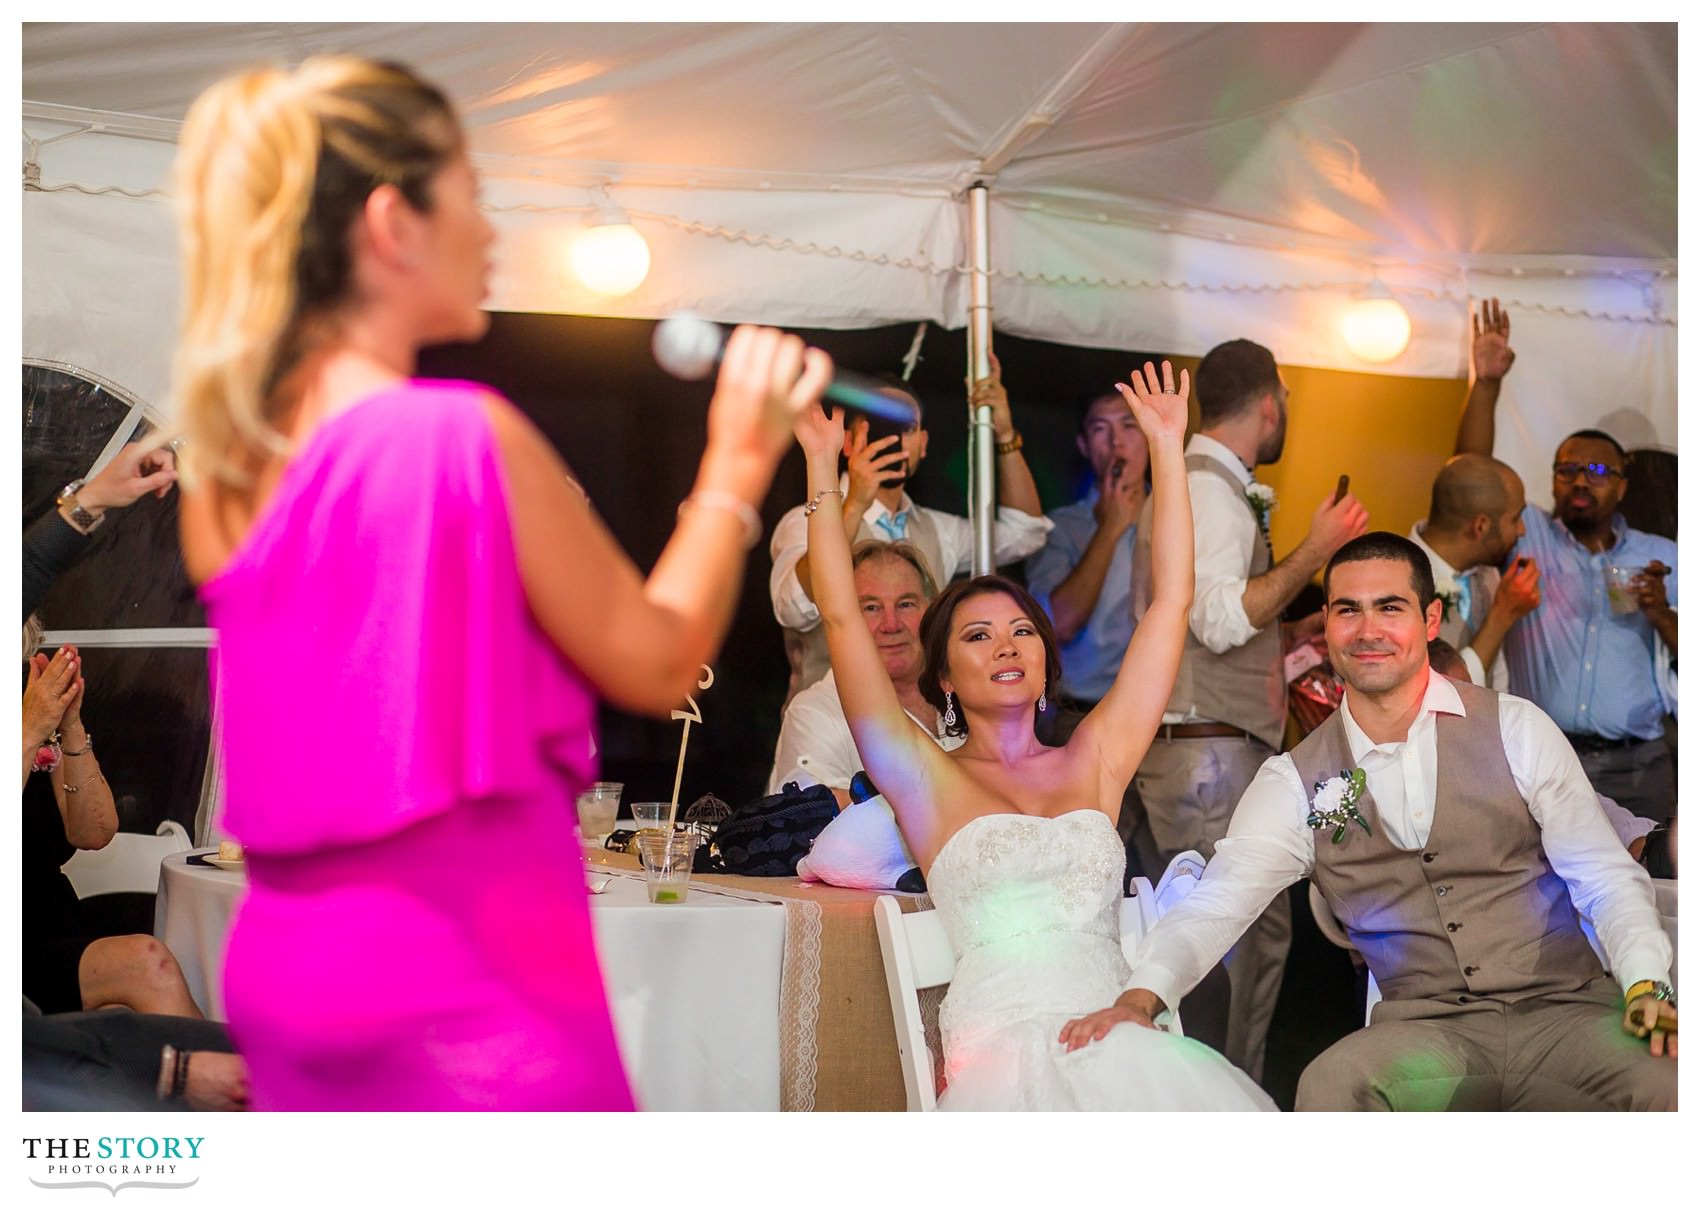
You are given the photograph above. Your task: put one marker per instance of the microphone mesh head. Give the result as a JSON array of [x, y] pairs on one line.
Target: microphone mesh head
[[687, 346]]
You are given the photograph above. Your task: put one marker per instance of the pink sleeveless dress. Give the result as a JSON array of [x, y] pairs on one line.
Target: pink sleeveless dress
[[402, 748]]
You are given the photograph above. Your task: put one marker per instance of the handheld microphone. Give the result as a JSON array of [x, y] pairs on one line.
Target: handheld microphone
[[688, 347]]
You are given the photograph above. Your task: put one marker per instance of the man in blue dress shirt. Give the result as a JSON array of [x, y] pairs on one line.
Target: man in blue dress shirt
[[1598, 658], [1083, 576]]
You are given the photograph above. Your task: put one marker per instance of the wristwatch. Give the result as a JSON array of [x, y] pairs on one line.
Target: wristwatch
[[80, 518]]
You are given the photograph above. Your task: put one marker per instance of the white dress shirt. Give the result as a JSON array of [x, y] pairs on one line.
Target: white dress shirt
[[815, 744], [1015, 536], [1473, 591], [1224, 538], [1269, 846]]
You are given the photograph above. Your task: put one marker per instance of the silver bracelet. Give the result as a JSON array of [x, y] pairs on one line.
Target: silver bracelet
[[732, 504], [814, 502], [88, 744]]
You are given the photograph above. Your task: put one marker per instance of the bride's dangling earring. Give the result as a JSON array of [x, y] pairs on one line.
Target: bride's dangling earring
[[1041, 703], [949, 711]]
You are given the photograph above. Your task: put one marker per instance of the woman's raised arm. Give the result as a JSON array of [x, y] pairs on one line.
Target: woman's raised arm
[[1119, 730], [905, 763], [641, 641]]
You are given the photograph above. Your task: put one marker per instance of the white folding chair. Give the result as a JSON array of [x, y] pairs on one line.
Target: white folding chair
[[127, 864], [918, 956]]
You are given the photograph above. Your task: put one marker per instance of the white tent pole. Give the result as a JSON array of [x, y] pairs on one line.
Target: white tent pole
[[982, 461]]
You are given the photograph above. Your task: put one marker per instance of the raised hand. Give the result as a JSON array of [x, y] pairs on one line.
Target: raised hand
[[1519, 590], [767, 380], [1157, 405], [869, 464], [990, 391], [1490, 346], [1337, 522], [820, 431]]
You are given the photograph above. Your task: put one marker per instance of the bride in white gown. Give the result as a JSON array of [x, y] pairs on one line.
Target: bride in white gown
[[1028, 881]]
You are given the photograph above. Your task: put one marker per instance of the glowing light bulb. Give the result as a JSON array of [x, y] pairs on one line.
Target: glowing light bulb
[[1376, 326], [610, 257]]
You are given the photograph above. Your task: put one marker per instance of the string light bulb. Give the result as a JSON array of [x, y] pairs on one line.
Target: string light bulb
[[610, 256], [1376, 326]]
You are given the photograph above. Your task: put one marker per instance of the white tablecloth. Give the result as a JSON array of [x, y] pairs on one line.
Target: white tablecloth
[[694, 987], [192, 917]]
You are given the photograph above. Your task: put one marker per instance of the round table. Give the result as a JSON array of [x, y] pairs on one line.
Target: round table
[[192, 917], [694, 988]]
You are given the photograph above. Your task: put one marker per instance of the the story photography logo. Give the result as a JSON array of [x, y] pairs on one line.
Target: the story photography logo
[[113, 1162]]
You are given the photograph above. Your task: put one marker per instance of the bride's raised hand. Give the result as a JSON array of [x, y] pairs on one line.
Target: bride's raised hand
[[1158, 407], [820, 430]]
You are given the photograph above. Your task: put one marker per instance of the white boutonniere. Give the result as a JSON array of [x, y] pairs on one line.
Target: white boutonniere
[[1449, 600], [1262, 501], [1335, 803]]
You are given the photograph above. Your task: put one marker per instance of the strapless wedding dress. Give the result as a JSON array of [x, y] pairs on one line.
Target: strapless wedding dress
[[1032, 906]]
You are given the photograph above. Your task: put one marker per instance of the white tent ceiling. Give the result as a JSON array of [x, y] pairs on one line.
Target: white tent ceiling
[[1155, 185]]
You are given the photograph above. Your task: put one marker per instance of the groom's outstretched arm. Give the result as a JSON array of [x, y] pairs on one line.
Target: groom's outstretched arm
[[1267, 847]]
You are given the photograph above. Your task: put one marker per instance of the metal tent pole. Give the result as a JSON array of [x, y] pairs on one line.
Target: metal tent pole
[[982, 459]]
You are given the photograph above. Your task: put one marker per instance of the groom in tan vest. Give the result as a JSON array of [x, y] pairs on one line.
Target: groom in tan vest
[[1228, 710], [1457, 839]]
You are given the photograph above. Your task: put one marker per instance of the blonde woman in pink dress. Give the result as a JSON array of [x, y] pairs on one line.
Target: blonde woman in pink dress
[[417, 609]]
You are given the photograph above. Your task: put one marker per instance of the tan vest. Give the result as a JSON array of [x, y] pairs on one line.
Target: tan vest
[[1243, 687], [1478, 910], [807, 650]]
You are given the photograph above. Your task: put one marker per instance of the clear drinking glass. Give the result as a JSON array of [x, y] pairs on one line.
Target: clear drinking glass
[[1620, 592], [666, 863], [598, 807], [650, 814]]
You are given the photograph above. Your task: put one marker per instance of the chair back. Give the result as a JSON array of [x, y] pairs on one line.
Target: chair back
[[127, 864]]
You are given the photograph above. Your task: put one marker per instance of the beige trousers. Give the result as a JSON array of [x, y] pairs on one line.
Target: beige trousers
[[1556, 1053], [1189, 789]]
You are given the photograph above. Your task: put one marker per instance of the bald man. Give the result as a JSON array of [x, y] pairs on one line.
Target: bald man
[[1475, 518]]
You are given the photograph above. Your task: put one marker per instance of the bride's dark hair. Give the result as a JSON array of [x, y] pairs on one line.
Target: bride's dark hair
[[936, 629]]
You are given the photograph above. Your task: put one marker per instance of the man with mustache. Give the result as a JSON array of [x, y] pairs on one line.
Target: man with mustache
[[1456, 839], [1595, 671], [1228, 710]]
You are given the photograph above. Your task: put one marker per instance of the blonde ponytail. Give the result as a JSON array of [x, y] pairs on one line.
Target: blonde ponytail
[[271, 170]]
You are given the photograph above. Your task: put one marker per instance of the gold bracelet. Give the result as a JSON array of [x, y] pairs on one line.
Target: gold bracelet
[[77, 787], [1010, 447]]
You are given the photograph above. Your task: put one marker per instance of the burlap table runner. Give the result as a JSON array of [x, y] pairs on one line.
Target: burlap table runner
[[838, 1046]]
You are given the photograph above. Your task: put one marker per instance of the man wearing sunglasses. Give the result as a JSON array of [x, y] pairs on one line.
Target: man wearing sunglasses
[[1601, 673]]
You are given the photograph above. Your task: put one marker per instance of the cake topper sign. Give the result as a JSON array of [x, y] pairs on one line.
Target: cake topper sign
[[691, 714]]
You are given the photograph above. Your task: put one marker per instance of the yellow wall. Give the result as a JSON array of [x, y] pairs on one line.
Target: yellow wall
[[1389, 433]]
